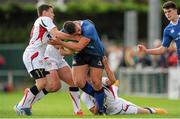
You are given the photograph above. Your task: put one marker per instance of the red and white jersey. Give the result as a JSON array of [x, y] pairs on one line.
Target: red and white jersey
[[40, 34], [115, 104]]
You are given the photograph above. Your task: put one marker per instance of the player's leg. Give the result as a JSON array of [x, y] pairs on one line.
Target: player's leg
[[80, 76], [130, 108], [53, 81], [156, 110], [96, 78], [35, 65], [65, 74], [53, 84], [89, 102], [52, 59], [80, 71], [23, 107], [96, 70]]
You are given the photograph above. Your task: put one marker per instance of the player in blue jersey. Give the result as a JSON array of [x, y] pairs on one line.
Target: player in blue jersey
[[87, 62], [171, 32]]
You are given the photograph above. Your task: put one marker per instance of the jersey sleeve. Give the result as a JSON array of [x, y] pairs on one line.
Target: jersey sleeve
[[47, 23], [89, 31], [166, 38]]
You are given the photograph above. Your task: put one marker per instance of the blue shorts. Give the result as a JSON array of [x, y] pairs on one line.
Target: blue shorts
[[91, 60]]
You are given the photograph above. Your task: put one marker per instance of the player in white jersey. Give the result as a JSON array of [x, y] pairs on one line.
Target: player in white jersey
[[115, 104], [59, 70], [33, 56]]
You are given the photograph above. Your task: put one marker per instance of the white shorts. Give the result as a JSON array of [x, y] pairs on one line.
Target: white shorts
[[54, 59], [122, 106], [34, 60]]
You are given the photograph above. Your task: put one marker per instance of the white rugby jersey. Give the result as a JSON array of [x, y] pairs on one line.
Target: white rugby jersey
[[113, 103], [40, 34]]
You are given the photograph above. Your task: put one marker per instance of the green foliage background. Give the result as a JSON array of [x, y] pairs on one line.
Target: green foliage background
[[17, 18]]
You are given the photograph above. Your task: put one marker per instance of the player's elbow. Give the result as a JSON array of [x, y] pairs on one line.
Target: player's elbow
[[162, 50]]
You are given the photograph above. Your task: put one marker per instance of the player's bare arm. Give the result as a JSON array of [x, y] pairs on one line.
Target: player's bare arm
[[61, 35], [65, 51], [83, 42], [153, 51], [109, 72]]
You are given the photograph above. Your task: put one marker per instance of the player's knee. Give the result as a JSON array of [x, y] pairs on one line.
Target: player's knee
[[41, 84], [54, 87], [96, 85], [79, 84]]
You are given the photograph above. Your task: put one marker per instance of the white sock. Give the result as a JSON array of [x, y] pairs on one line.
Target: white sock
[[153, 110], [38, 97], [26, 100], [75, 97]]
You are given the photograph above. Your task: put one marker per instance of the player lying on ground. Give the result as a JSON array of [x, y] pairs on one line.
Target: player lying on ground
[[115, 104]]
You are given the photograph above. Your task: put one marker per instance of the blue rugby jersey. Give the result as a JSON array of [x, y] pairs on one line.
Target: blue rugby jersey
[[172, 32], [95, 47]]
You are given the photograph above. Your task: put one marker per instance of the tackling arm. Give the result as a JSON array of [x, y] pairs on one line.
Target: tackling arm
[[65, 51], [62, 36], [83, 42], [109, 72]]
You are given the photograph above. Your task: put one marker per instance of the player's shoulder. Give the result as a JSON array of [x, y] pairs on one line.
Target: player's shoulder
[[90, 21], [45, 18], [168, 27], [88, 25], [42, 19]]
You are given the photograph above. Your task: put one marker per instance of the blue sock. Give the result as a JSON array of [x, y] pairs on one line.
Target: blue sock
[[88, 89], [99, 96]]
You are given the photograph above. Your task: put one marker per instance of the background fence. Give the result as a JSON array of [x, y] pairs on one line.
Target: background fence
[[145, 82]]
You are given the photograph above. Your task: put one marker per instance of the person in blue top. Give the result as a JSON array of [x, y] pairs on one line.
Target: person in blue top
[[87, 61], [171, 32]]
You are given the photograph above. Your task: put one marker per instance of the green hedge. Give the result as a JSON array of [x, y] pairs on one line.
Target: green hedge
[[16, 19]]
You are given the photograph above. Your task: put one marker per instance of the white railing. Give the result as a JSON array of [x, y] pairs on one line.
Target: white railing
[[158, 82], [145, 82]]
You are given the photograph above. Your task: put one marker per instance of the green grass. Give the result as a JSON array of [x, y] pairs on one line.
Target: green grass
[[59, 105]]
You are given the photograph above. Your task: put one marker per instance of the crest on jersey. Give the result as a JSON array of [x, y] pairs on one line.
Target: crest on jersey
[[99, 63], [172, 31]]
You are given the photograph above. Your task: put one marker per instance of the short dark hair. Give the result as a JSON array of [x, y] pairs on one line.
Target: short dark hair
[[43, 7], [69, 27], [169, 4]]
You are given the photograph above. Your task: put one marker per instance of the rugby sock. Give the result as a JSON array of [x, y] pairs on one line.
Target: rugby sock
[[27, 99], [88, 89], [41, 94], [151, 110], [75, 96], [99, 97], [34, 90]]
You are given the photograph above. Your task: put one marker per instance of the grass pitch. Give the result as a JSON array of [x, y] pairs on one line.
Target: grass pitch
[[59, 105]]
